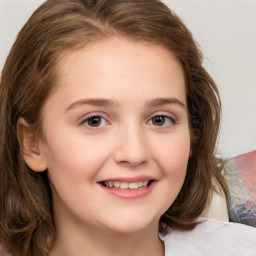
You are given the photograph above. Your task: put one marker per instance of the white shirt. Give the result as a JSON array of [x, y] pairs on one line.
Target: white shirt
[[212, 238]]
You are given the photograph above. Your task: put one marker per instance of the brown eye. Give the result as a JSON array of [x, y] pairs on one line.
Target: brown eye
[[160, 120], [95, 121]]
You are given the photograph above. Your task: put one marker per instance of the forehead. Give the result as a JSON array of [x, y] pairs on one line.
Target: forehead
[[120, 65]]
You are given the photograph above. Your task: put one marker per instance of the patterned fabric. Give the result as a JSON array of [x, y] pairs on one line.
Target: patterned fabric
[[240, 173]]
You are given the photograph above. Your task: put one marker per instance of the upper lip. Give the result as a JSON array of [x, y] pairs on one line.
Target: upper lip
[[130, 179]]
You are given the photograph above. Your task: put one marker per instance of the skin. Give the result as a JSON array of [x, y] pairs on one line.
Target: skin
[[127, 142]]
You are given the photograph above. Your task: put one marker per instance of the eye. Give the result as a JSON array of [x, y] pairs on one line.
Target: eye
[[95, 121], [161, 121]]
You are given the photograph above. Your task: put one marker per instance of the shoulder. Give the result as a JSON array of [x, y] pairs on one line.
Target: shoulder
[[212, 238]]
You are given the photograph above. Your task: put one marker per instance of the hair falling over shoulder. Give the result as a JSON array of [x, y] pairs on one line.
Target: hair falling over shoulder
[[28, 77]]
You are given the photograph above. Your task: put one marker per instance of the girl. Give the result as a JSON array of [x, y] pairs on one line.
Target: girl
[[108, 129]]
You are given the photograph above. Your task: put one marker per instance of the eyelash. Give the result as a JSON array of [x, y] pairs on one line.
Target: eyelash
[[100, 119], [159, 117], [87, 120]]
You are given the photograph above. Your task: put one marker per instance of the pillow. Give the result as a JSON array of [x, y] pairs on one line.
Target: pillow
[[240, 174], [217, 208]]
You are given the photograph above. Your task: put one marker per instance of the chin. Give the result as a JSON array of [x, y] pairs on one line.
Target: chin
[[132, 224]]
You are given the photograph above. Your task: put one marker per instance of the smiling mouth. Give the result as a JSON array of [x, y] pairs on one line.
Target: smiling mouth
[[126, 185]]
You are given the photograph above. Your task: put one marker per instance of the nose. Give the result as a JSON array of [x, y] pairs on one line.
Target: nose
[[131, 147]]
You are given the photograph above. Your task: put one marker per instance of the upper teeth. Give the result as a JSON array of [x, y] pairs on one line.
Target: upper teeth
[[126, 185]]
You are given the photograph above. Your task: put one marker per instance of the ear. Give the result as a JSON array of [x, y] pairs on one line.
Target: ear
[[30, 146]]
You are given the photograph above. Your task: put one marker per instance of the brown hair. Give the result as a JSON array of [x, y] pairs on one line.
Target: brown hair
[[29, 75]]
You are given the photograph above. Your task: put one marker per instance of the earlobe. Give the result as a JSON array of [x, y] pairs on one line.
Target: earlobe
[[30, 147]]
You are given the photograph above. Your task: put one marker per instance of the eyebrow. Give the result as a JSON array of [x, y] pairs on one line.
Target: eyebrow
[[157, 102], [92, 101]]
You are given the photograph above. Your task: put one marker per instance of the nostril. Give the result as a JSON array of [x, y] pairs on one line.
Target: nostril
[[131, 155]]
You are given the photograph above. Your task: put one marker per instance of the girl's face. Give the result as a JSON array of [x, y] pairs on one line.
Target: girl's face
[[117, 137]]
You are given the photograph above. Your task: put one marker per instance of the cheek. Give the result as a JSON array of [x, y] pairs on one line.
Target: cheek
[[74, 157], [173, 156], [73, 167]]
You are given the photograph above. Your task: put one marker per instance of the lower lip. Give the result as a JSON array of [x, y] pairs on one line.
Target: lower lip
[[129, 193]]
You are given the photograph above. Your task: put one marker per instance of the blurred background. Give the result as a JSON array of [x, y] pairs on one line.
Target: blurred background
[[226, 32]]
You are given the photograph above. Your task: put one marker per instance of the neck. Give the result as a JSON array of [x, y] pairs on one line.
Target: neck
[[100, 241]]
